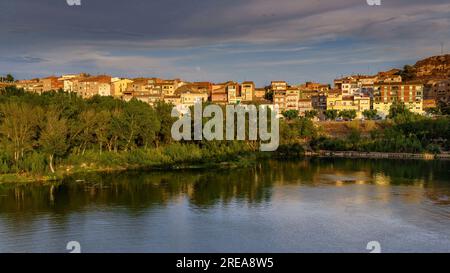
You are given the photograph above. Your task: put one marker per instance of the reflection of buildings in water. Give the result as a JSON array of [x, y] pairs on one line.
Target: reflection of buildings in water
[[342, 178], [381, 180]]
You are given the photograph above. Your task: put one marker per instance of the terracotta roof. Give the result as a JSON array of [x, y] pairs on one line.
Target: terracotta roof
[[99, 79], [187, 89]]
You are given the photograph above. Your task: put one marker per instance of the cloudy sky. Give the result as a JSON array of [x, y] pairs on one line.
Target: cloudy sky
[[218, 40]]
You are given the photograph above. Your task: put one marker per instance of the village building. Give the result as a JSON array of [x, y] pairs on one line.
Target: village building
[[248, 90], [32, 86], [260, 93], [341, 102], [91, 86], [119, 86], [51, 83], [385, 94]]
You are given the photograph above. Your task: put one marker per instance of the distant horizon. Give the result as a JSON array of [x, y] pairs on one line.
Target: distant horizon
[[217, 41]]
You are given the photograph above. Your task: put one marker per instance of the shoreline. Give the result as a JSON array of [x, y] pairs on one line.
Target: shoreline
[[378, 155], [245, 161], [25, 178]]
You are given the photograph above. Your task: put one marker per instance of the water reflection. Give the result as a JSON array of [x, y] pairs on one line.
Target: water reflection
[[140, 190], [271, 193]]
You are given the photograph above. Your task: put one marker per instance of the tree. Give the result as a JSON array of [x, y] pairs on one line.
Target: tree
[[311, 114], [444, 108], [102, 128], [371, 114], [53, 140], [163, 112], [330, 114], [269, 95], [348, 114], [9, 78], [290, 114], [18, 129], [149, 126], [408, 73], [400, 113], [434, 111]]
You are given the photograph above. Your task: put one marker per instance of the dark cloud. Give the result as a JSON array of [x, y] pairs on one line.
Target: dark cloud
[[224, 38], [22, 59]]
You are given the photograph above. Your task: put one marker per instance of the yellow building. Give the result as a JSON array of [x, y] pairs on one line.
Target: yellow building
[[304, 105], [339, 102], [119, 86], [278, 86], [168, 87], [174, 99], [247, 91], [190, 98], [232, 89], [292, 98]]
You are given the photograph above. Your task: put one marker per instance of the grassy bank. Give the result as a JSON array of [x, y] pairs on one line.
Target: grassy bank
[[170, 157], [190, 156]]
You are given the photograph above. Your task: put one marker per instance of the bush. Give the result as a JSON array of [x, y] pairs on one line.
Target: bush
[[34, 163]]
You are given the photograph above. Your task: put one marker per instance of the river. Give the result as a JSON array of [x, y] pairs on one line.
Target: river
[[311, 205]]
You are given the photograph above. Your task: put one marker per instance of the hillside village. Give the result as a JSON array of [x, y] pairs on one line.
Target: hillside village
[[421, 86]]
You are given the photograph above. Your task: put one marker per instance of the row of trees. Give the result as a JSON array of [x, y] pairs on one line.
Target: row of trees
[[293, 114], [344, 114], [39, 133], [56, 124]]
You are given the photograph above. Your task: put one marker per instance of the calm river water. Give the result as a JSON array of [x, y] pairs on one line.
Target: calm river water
[[316, 205]]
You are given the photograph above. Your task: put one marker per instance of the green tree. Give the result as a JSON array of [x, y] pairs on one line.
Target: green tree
[[53, 139], [9, 78], [269, 95], [18, 128], [348, 114], [290, 114], [330, 114], [102, 128], [371, 114], [311, 114], [435, 111], [163, 112], [400, 113]]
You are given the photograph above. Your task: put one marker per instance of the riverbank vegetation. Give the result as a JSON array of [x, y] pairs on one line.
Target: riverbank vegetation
[[60, 132], [47, 136], [402, 132]]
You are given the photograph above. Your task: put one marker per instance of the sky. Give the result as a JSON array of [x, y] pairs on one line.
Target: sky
[[219, 40]]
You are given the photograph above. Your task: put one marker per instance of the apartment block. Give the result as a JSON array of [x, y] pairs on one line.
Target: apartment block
[[385, 94], [292, 96]]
